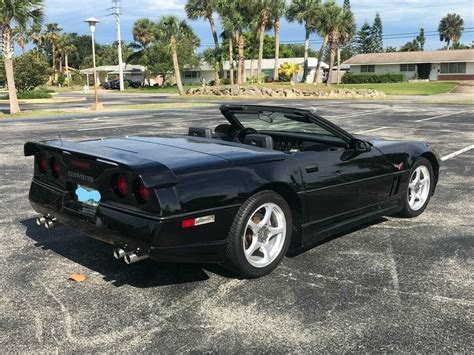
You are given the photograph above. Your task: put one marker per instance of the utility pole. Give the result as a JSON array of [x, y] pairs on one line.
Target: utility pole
[[119, 42]]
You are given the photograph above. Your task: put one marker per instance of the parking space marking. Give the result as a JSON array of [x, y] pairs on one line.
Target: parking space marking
[[358, 113], [372, 130], [440, 116], [456, 153]]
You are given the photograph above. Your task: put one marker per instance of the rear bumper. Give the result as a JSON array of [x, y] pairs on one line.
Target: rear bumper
[[163, 239]]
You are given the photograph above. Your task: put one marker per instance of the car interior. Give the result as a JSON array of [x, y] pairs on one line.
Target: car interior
[[282, 141]]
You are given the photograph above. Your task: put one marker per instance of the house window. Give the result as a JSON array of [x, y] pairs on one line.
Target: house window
[[191, 74], [453, 68], [407, 67], [367, 68]]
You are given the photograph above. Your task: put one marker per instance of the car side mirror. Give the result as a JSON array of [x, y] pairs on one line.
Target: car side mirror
[[360, 146]]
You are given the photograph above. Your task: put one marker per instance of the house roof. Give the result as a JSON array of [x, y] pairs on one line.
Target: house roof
[[267, 63], [462, 55], [127, 68]]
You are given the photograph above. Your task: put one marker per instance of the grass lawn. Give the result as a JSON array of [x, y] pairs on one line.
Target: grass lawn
[[157, 89]]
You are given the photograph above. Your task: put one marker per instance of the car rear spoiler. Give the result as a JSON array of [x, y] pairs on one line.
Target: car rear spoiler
[[152, 173]]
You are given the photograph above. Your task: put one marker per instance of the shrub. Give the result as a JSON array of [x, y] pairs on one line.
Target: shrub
[[370, 78], [30, 72], [226, 81], [46, 89], [35, 94]]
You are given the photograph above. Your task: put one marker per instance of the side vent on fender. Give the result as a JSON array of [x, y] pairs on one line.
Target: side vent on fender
[[395, 185]]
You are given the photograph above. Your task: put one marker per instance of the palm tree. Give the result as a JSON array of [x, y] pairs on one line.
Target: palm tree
[[322, 23], [35, 35], [263, 9], [171, 30], [21, 37], [65, 48], [278, 8], [342, 29], [23, 13], [196, 9], [304, 12], [450, 29], [144, 31], [52, 36]]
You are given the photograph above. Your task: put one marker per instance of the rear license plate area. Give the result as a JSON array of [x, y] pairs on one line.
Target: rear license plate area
[[88, 199]]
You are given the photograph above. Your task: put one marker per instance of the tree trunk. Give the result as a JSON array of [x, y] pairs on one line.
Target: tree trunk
[[177, 74], [306, 49], [317, 76], [66, 62], [8, 56], [252, 69], [61, 63], [54, 56], [332, 55], [338, 64], [216, 43], [276, 67], [260, 50], [241, 63], [231, 60]]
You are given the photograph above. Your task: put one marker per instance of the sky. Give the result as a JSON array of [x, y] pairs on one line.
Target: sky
[[401, 19]]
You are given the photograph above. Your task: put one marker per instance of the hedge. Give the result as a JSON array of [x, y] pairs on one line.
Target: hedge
[[35, 94], [369, 78]]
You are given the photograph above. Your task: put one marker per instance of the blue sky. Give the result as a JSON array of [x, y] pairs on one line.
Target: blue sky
[[399, 17]]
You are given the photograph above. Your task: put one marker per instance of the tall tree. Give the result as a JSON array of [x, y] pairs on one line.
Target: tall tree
[[347, 6], [196, 9], [172, 31], [278, 8], [376, 35], [224, 8], [450, 29], [144, 32], [22, 13], [304, 12], [323, 24], [363, 39], [264, 12], [412, 46], [65, 49], [52, 34], [421, 39], [35, 35], [21, 37], [342, 28]]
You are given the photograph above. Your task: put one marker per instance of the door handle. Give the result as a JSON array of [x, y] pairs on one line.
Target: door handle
[[313, 168]]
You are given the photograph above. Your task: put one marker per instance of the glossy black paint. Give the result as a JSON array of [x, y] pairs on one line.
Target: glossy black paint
[[357, 179]]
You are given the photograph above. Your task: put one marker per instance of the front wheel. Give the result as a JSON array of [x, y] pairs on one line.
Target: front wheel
[[420, 185], [260, 235]]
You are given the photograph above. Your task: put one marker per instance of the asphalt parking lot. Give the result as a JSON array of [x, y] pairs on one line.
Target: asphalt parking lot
[[396, 285]]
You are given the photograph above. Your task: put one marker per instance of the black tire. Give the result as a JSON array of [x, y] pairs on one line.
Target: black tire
[[407, 211], [236, 260]]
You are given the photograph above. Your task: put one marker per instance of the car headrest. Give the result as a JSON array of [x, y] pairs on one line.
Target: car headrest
[[200, 132], [224, 128], [259, 140]]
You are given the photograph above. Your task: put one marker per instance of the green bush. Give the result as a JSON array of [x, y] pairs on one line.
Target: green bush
[[30, 72], [370, 78], [226, 81], [35, 94], [46, 90]]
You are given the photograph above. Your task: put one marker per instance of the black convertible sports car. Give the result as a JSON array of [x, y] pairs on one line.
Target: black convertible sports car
[[271, 180]]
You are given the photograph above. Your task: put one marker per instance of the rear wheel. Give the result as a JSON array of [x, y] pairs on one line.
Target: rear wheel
[[260, 235], [419, 189]]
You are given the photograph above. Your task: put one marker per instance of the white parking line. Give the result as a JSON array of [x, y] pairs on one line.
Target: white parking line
[[456, 153], [445, 115], [372, 130]]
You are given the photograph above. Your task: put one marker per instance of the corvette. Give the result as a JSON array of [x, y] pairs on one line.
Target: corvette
[[271, 181]]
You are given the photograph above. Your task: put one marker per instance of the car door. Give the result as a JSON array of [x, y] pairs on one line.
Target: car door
[[343, 183]]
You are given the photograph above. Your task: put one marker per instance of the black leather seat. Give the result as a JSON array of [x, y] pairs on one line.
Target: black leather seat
[[200, 132], [259, 140]]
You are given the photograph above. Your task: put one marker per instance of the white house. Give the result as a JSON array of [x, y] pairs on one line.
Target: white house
[[441, 65], [194, 76], [111, 72]]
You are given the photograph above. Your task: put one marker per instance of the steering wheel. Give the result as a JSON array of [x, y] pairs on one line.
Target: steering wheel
[[239, 135]]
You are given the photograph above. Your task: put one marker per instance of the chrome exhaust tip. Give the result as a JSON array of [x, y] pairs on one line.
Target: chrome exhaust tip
[[119, 253], [40, 220], [134, 257], [50, 223]]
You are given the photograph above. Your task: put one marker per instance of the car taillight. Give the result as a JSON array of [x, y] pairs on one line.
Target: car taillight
[[55, 168], [121, 186], [43, 164], [142, 192]]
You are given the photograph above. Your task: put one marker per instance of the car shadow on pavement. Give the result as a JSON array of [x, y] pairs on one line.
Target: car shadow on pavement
[[97, 256]]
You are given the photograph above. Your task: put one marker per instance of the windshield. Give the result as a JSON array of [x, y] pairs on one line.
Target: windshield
[[280, 122]]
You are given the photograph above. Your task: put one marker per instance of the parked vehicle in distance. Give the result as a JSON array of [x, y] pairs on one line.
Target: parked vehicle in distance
[[270, 180], [115, 84]]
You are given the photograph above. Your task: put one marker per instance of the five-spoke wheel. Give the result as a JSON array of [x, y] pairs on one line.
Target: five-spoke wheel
[[260, 235]]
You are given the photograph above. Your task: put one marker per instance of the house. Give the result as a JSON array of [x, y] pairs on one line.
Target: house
[[435, 65], [196, 75], [111, 72]]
